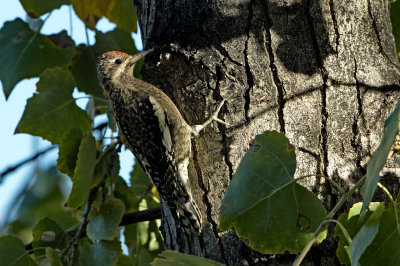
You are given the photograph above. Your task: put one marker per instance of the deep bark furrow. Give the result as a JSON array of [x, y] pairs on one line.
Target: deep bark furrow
[[206, 200], [274, 70], [374, 26], [335, 24], [356, 131], [250, 80]]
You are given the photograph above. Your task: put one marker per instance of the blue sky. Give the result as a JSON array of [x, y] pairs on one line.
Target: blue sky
[[15, 148]]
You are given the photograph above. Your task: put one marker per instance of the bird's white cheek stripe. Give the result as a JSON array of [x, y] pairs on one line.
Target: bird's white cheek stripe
[[119, 71]]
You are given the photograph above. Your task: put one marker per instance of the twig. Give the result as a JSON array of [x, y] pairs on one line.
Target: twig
[[129, 218], [18, 165]]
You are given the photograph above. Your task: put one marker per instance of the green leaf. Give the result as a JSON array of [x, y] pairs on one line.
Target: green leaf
[[123, 14], [52, 111], [83, 175], [68, 151], [385, 247], [125, 193], [262, 187], [116, 39], [378, 159], [366, 235], [104, 162], [171, 257], [395, 19], [125, 261], [47, 233], [26, 54], [53, 256], [84, 70], [91, 11], [36, 8], [12, 252], [139, 180], [105, 224], [101, 253]]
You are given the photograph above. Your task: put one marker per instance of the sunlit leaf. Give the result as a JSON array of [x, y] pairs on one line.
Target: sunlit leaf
[[12, 252], [171, 257], [36, 8], [26, 54], [261, 188], [52, 111], [101, 253], [385, 247], [105, 224], [83, 174], [68, 151], [91, 11], [378, 159]]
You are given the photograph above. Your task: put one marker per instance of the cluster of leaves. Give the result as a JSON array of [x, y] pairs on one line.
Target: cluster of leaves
[[87, 229], [369, 233]]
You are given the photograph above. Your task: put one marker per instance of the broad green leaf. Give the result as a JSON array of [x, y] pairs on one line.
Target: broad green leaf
[[397, 212], [105, 224], [26, 54], [53, 256], [262, 187], [83, 175], [171, 257], [36, 8], [101, 253], [385, 247], [125, 193], [52, 111], [12, 252], [91, 11], [84, 70], [378, 159], [104, 163], [125, 261], [68, 151], [47, 233], [139, 180], [366, 235], [117, 39], [123, 14], [395, 19]]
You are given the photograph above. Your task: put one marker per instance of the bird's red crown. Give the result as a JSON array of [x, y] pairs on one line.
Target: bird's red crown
[[115, 52]]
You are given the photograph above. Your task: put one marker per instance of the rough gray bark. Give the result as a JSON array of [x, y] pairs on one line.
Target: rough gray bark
[[325, 73]]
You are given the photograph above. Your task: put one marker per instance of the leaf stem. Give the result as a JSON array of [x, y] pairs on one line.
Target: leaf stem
[[330, 215], [333, 182], [387, 192]]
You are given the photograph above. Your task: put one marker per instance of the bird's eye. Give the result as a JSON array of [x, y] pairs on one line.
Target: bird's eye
[[118, 61]]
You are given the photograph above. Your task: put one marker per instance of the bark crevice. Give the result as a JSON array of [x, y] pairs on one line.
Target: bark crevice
[[335, 25]]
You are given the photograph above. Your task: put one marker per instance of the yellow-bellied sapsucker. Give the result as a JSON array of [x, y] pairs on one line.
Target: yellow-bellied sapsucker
[[155, 132]]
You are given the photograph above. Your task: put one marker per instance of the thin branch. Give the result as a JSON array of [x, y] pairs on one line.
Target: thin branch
[[18, 165], [129, 218]]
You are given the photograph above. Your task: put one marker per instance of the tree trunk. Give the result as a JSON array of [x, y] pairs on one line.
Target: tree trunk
[[325, 73]]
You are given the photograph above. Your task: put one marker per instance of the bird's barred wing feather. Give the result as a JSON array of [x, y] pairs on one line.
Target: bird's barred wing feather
[[150, 140]]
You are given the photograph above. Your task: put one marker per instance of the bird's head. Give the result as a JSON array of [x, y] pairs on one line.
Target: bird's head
[[114, 64]]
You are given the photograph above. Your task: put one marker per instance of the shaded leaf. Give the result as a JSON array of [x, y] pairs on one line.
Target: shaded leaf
[[53, 257], [125, 193], [36, 8], [139, 180], [84, 70], [52, 111], [378, 159], [83, 174], [171, 257], [68, 151], [12, 252], [117, 39], [261, 188], [105, 224], [123, 14], [104, 163], [395, 20], [26, 54], [125, 261], [47, 233], [101, 253], [385, 247]]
